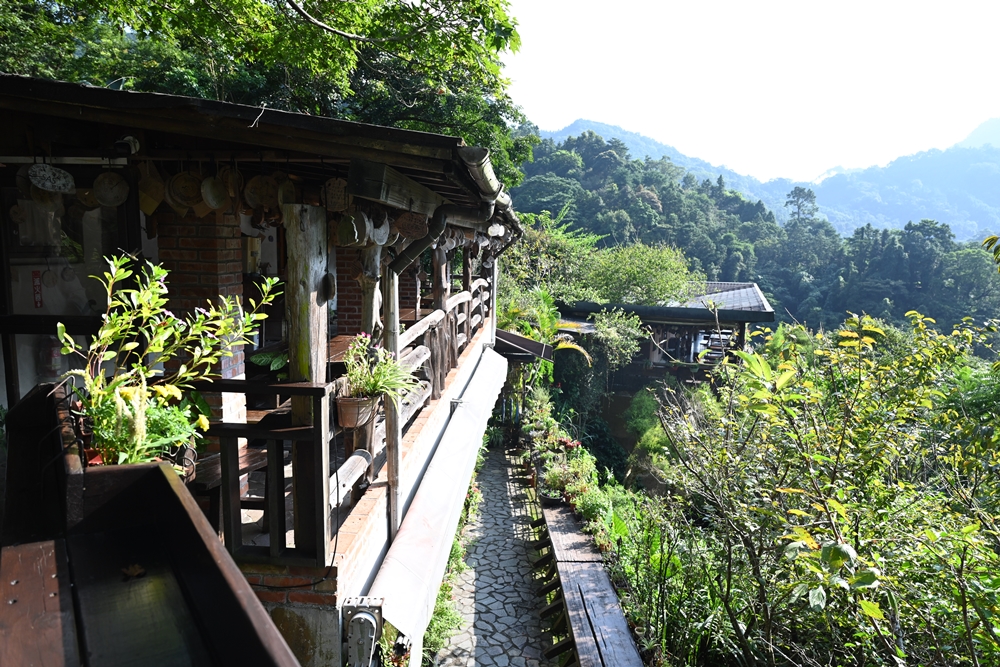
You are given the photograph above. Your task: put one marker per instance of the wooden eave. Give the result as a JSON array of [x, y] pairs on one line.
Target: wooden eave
[[235, 131]]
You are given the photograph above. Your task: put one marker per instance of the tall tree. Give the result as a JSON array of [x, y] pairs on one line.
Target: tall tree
[[802, 201]]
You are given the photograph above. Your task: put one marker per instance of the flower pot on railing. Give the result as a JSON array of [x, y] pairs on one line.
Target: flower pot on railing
[[353, 412]]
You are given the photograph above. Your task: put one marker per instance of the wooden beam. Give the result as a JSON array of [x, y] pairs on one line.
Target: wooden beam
[[383, 184]]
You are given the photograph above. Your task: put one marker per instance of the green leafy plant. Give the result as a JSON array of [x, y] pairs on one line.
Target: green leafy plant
[[136, 411], [372, 371], [273, 361]]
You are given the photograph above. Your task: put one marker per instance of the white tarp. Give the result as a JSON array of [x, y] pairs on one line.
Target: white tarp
[[411, 573]]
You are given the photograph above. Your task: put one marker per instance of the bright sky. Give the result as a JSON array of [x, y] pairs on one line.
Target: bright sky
[[767, 88]]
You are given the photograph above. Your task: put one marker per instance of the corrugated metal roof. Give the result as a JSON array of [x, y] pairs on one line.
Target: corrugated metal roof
[[711, 301], [728, 296]]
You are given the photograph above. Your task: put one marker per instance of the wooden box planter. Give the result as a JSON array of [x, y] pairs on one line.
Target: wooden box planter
[[115, 565]]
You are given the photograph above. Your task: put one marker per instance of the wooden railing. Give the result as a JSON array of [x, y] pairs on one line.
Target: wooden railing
[[444, 333], [431, 348], [310, 464]]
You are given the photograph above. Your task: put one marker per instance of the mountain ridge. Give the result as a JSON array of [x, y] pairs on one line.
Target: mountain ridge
[[959, 186]]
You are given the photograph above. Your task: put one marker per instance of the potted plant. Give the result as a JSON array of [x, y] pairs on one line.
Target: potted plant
[[132, 409], [372, 372]]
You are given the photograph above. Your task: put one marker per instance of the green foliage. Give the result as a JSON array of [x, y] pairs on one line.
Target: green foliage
[[372, 371], [273, 361], [570, 266], [639, 274], [444, 621], [124, 396], [427, 66], [618, 334], [809, 273], [836, 510], [431, 38]]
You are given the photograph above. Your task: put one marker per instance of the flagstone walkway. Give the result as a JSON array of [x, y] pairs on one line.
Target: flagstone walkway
[[496, 595]]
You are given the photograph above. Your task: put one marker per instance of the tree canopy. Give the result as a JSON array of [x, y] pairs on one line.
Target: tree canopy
[[431, 66]]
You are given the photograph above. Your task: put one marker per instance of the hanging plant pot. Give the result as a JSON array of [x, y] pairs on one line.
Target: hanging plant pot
[[354, 412]]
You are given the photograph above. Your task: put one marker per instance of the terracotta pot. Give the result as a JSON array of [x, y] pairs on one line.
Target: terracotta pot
[[354, 412]]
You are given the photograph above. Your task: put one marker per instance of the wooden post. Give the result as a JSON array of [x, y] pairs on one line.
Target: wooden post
[[467, 286], [393, 427], [418, 277], [306, 315], [441, 358]]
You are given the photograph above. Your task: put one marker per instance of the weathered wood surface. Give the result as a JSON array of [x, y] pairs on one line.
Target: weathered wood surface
[[416, 358], [600, 633], [257, 432], [306, 314], [186, 603], [209, 470], [371, 298], [596, 622], [263, 389], [347, 476], [37, 622], [138, 620], [457, 299], [569, 543], [409, 336], [378, 182]]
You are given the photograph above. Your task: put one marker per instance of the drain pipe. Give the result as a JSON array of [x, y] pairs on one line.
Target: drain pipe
[[390, 306]]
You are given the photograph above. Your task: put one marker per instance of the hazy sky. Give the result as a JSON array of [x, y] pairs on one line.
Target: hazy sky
[[769, 89]]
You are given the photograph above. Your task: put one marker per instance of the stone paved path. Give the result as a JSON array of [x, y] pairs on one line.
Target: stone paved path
[[496, 595]]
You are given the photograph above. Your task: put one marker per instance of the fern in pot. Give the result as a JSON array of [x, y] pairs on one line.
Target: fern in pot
[[372, 371]]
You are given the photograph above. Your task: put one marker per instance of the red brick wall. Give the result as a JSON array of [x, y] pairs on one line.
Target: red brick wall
[[348, 292], [204, 257], [284, 584], [407, 289]]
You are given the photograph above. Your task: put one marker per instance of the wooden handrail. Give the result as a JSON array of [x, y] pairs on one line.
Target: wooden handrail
[[254, 432], [348, 475], [457, 300], [258, 388], [420, 328]]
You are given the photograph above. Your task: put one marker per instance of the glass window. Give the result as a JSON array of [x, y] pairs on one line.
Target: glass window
[[55, 242]]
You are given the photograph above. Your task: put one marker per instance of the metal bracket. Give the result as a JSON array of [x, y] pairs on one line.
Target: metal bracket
[[455, 402], [362, 623]]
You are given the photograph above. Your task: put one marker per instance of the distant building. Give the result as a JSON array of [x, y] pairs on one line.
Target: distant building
[[689, 337]]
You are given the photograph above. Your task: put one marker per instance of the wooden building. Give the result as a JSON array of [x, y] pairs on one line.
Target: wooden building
[[686, 338], [370, 228]]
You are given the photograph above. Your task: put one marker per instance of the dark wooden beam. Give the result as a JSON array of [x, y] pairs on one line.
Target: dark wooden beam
[[379, 182]]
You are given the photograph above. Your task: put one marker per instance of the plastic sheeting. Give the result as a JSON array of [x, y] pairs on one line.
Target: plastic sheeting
[[411, 573]]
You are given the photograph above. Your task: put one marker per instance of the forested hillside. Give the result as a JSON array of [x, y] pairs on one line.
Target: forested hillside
[[959, 187], [810, 273]]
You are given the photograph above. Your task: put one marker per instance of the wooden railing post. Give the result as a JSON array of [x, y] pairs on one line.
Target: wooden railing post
[[393, 427], [467, 287]]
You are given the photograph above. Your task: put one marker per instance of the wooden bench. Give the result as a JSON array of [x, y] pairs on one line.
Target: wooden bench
[[586, 609]]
